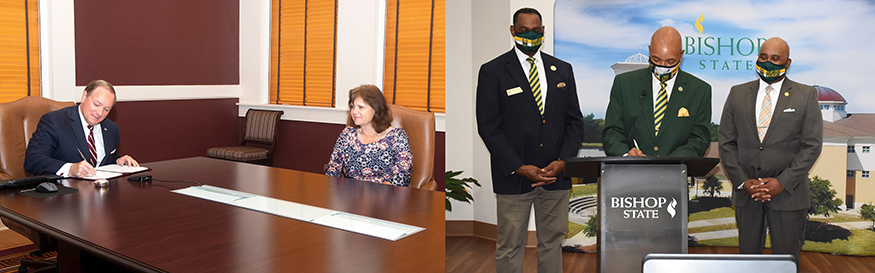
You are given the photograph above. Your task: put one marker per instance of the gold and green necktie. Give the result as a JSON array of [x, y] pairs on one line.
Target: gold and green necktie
[[659, 108], [535, 84]]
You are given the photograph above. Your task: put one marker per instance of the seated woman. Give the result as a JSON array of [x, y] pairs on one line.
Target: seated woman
[[371, 149]]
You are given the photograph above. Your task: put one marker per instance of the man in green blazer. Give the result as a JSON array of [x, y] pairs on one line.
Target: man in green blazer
[[660, 110]]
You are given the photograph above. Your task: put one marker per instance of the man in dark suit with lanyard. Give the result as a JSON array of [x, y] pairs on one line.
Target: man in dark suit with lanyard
[[74, 140], [770, 136], [529, 117], [660, 110]]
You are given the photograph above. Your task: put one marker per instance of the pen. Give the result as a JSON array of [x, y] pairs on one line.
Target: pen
[[83, 156], [633, 141]]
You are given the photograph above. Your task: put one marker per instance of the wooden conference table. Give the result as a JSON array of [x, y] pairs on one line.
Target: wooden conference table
[[145, 227]]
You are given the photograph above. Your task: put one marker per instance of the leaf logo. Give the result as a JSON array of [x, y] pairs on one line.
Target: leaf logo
[[671, 207], [699, 26]]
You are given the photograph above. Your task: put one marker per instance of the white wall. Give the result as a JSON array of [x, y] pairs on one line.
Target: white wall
[[866, 159]]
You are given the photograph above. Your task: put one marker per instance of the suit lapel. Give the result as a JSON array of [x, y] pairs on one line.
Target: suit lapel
[[551, 81], [516, 71], [780, 105], [750, 113], [646, 114], [106, 141], [674, 103], [76, 127]]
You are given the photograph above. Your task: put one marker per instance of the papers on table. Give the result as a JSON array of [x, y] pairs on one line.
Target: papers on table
[[116, 168], [340, 220], [113, 171]]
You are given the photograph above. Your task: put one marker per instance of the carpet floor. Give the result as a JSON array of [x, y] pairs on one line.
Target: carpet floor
[[9, 258]]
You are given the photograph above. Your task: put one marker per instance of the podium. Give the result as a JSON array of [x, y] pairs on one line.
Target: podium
[[642, 205]]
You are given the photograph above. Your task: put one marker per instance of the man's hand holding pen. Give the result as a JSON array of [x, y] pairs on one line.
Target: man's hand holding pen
[[83, 168]]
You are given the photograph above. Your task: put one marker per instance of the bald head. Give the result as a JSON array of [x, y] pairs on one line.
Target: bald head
[[775, 50], [666, 47]]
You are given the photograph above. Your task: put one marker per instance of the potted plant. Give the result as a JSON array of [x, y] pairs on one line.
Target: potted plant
[[456, 188]]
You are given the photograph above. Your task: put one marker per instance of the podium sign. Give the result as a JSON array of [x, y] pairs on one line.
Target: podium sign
[[642, 210], [642, 205]]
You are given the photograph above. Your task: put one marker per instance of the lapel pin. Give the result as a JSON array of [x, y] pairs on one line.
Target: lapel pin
[[786, 94], [560, 85], [681, 88], [552, 68], [104, 129]]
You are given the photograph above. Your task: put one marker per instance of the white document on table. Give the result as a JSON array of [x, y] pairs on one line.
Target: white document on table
[[114, 170]]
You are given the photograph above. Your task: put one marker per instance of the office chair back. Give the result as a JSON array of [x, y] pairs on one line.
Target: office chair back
[[261, 126], [419, 126], [18, 120]]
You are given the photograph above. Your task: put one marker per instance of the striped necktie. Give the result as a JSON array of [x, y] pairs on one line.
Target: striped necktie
[[535, 84], [765, 117], [659, 108], [91, 146]]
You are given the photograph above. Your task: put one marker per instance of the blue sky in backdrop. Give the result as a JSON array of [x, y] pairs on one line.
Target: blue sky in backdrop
[[830, 42]]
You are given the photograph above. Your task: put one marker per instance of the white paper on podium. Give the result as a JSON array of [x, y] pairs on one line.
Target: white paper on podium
[[340, 220]]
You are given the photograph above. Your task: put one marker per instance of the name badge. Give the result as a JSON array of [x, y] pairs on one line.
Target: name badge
[[514, 91]]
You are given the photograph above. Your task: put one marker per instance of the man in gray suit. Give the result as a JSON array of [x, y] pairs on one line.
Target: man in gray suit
[[770, 135]]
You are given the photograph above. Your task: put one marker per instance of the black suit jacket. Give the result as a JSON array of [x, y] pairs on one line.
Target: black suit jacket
[[511, 125], [789, 150], [58, 136]]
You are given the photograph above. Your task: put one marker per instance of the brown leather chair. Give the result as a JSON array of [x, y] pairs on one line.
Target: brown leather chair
[[261, 129], [419, 126], [18, 120]]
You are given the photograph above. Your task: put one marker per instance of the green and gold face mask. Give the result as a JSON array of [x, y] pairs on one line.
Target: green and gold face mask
[[664, 73], [529, 41], [770, 72]]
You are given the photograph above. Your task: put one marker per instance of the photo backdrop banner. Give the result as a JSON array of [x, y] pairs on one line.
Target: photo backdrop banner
[[830, 46], [830, 43]]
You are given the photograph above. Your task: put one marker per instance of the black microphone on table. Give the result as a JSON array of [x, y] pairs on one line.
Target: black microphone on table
[[141, 178], [148, 178]]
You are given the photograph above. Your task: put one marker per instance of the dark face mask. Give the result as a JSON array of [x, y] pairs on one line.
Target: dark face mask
[[770, 72], [529, 41]]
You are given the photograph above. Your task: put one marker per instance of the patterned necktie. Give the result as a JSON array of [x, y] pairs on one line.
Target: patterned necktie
[[91, 146], [535, 83], [765, 114], [659, 108]]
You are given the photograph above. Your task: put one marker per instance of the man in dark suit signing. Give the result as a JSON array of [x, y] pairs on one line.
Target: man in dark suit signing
[[74, 140], [71, 142], [770, 135], [529, 118], [660, 110]]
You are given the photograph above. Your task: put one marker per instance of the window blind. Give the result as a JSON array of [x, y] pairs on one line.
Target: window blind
[[414, 73], [303, 52], [19, 49]]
